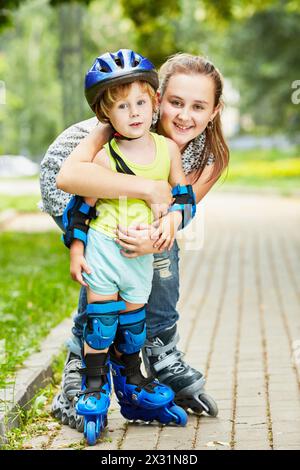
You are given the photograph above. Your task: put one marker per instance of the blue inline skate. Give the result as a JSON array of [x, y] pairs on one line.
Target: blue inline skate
[[94, 399], [143, 398], [164, 361], [140, 398]]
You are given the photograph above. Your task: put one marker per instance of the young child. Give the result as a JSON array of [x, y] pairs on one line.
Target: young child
[[120, 88]]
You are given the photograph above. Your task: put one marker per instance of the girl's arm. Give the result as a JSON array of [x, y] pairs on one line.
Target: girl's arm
[[79, 175], [168, 225], [204, 183], [176, 175]]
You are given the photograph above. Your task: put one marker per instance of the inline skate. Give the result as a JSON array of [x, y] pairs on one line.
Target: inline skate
[[94, 399], [63, 407], [143, 398], [164, 361]]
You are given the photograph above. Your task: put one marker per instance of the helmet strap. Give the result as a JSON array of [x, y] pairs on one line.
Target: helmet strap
[[117, 135]]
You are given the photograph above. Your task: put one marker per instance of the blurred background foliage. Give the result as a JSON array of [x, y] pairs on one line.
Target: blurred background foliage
[[46, 47]]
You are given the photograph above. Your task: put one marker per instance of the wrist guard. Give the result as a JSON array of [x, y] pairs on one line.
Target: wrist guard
[[185, 202], [76, 219]]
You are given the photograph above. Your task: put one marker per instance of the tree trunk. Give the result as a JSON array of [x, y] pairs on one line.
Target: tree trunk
[[70, 61]]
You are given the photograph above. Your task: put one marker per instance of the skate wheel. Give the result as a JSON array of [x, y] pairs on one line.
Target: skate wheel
[[209, 405], [57, 414], [180, 415], [72, 422], [91, 433], [198, 410], [65, 419], [105, 423], [79, 423]]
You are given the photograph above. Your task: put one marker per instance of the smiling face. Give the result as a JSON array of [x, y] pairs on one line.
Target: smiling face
[[186, 107], [131, 115]]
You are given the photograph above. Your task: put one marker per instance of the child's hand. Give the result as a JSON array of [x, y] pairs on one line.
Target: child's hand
[[78, 264], [166, 230]]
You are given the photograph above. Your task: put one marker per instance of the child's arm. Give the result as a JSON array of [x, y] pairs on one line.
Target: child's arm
[[77, 260], [79, 174], [78, 264]]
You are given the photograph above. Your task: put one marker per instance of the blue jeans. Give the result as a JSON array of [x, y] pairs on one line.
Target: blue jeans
[[161, 310]]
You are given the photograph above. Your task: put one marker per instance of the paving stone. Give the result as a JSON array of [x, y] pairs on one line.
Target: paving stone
[[253, 445]]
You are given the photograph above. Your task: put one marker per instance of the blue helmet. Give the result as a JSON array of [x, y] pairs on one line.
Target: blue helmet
[[115, 68]]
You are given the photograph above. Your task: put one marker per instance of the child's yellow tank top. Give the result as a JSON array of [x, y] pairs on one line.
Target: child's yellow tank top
[[124, 211]]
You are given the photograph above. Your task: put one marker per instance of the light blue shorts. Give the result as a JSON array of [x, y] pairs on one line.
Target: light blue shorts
[[112, 272]]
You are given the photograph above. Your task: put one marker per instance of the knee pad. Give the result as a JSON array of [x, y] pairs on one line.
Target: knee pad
[[102, 322], [131, 332]]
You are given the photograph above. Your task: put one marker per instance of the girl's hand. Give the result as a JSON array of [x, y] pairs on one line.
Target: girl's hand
[[78, 264], [136, 240], [159, 198]]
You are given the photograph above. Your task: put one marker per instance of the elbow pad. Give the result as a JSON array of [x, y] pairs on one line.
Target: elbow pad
[[76, 219], [185, 201]]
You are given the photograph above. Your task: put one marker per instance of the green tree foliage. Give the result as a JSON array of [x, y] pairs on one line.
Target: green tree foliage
[[264, 62], [8, 7], [69, 2], [44, 57], [6, 11], [43, 63], [31, 115], [154, 22]]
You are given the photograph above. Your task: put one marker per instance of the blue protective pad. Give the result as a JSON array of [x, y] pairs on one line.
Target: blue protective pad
[[100, 329], [185, 201], [131, 334]]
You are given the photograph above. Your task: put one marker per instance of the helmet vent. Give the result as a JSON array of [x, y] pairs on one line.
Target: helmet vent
[[104, 69], [119, 63], [102, 66]]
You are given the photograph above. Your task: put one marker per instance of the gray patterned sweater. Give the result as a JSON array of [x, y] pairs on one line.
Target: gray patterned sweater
[[54, 200]]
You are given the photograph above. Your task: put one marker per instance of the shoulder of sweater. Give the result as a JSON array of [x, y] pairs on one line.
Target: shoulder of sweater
[[69, 139], [82, 127]]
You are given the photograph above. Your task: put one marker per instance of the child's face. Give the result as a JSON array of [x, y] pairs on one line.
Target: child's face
[[132, 116], [186, 107]]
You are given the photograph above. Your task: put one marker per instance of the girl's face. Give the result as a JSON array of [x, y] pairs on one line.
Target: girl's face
[[186, 107]]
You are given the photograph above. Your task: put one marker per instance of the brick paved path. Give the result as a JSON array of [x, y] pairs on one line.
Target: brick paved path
[[240, 324]]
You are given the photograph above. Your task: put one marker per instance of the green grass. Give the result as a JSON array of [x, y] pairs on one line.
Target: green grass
[[26, 203], [35, 419], [19, 178], [20, 203], [36, 294], [265, 169]]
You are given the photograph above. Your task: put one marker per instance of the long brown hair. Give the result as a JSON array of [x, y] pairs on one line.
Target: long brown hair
[[215, 143]]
